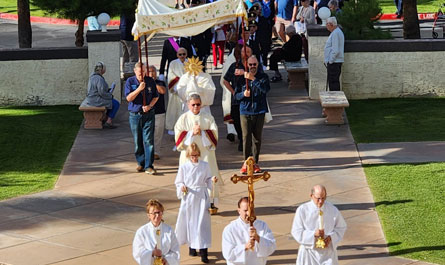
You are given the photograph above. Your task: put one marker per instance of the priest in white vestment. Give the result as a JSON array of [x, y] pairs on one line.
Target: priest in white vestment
[[198, 127], [242, 244], [155, 239], [309, 225], [174, 106], [193, 226]]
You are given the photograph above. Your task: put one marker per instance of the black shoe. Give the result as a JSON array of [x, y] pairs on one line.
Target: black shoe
[[192, 252], [177, 6], [204, 255], [109, 126], [231, 137], [182, 6]]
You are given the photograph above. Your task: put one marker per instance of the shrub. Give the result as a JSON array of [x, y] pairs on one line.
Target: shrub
[[357, 20]]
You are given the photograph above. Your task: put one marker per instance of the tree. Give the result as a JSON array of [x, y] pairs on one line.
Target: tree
[[79, 10], [411, 29], [24, 24], [357, 20]]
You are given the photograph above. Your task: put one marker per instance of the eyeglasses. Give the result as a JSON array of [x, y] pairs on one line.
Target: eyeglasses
[[156, 213], [182, 54], [195, 155], [196, 105], [252, 64], [319, 199]]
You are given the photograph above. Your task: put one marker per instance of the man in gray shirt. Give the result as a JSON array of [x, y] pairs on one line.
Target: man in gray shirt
[[334, 53]]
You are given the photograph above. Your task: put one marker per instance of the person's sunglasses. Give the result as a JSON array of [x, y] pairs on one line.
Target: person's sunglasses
[[182, 54], [252, 64], [196, 105]]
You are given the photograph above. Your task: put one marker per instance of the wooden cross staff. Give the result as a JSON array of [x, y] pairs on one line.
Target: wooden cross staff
[[250, 179]]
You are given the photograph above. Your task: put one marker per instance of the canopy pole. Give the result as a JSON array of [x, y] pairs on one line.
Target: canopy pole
[[245, 52], [146, 53], [144, 103]]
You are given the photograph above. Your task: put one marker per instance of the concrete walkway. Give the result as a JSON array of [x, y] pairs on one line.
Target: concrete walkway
[[98, 203]]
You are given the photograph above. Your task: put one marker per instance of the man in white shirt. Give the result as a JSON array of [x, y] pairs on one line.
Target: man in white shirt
[[334, 53], [242, 244], [314, 219]]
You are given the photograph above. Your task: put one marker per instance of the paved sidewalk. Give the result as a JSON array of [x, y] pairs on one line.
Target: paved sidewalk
[[92, 214]]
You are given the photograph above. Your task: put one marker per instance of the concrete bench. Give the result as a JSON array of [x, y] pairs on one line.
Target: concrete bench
[[333, 103], [297, 72], [93, 116]]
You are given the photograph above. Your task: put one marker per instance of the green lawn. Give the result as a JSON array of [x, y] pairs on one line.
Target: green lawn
[[10, 6], [397, 120], [35, 142], [410, 202], [423, 6]]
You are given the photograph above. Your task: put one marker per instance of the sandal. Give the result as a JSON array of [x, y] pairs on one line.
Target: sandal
[[276, 79]]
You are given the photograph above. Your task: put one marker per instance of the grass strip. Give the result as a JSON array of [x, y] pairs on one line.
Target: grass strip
[[410, 202], [35, 142], [397, 120]]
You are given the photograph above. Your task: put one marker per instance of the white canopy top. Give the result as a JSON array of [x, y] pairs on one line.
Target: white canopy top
[[153, 17]]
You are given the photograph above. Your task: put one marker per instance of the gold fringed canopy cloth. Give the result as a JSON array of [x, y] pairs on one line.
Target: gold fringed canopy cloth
[[154, 17]]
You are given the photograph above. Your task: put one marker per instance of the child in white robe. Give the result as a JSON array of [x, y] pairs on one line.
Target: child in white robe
[[193, 226]]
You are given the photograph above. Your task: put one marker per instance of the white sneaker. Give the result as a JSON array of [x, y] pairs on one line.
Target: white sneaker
[[170, 132], [151, 171]]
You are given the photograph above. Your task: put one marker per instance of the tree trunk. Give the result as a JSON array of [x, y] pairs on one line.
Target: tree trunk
[[79, 33], [411, 28], [24, 24]]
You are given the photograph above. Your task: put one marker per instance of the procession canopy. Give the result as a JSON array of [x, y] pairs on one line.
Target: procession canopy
[[154, 17]]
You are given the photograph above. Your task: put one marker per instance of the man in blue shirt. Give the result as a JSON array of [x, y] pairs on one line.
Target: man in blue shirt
[[253, 107], [142, 95], [286, 11]]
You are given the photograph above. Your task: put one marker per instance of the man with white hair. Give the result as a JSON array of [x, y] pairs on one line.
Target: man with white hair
[[318, 221], [334, 53]]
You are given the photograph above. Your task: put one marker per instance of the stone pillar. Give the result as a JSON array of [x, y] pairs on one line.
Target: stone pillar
[[106, 47], [317, 37]]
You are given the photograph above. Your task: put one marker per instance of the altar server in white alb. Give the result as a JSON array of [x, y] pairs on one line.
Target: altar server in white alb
[[193, 226], [155, 240], [242, 244], [174, 107], [318, 219], [198, 127]]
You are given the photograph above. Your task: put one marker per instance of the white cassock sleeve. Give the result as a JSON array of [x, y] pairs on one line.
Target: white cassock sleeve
[[267, 244], [172, 256], [179, 182], [299, 232], [232, 250], [141, 254], [339, 228]]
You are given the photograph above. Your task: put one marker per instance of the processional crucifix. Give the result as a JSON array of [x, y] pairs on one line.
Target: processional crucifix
[[250, 179]]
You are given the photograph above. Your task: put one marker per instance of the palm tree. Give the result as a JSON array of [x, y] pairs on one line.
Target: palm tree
[[24, 24], [411, 28]]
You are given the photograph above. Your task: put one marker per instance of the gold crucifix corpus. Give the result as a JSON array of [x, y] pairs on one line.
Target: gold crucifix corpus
[[250, 179]]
